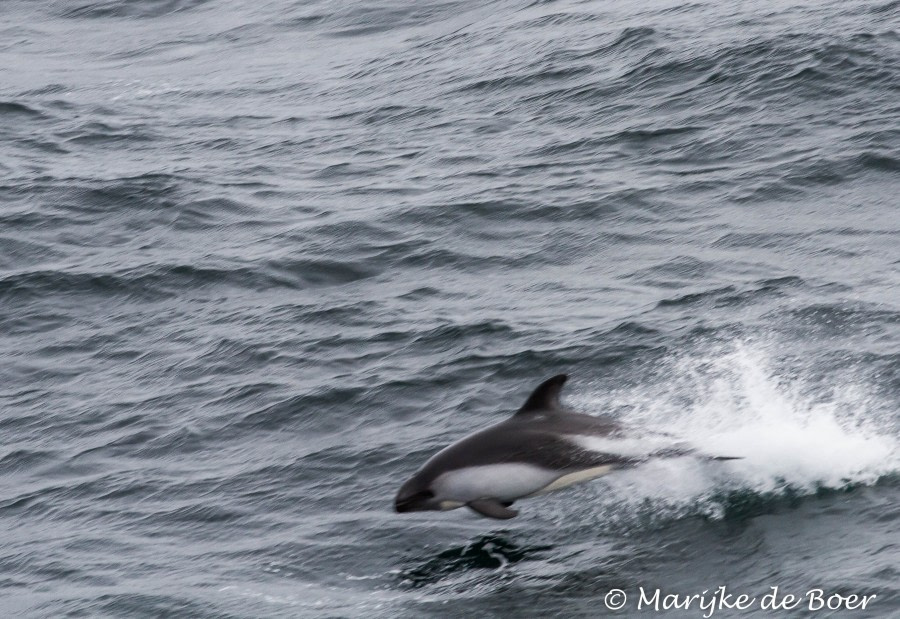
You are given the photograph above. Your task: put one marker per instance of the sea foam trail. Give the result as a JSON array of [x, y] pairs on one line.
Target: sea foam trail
[[792, 437]]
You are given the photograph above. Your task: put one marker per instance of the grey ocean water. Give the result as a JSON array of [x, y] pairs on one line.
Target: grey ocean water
[[259, 260]]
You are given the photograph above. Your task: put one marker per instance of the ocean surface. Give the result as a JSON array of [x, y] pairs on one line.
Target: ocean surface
[[260, 260]]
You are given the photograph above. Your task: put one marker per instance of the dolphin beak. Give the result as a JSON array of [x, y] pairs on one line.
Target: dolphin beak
[[403, 504], [412, 502]]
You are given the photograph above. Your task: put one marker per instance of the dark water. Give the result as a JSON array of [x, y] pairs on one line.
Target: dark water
[[258, 260]]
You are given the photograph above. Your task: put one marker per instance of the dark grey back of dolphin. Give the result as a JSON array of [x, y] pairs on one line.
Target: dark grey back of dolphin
[[533, 435]]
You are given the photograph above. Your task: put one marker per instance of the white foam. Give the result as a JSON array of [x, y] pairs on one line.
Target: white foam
[[790, 432]]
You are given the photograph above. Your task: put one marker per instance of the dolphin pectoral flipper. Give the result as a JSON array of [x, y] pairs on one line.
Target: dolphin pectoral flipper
[[492, 508]]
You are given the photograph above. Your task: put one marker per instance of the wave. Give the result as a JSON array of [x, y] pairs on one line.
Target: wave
[[126, 8]]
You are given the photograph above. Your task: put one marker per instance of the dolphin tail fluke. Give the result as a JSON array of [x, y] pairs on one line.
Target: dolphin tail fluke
[[680, 450]]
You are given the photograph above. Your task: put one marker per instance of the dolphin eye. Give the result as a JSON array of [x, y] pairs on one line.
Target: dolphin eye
[[424, 494]]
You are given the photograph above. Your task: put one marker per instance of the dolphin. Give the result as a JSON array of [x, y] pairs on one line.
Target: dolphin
[[543, 447]]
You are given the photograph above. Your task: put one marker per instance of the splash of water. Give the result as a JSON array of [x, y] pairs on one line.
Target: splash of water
[[793, 437]]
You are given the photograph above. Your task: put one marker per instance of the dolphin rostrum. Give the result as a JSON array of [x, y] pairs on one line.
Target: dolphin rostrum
[[541, 448]]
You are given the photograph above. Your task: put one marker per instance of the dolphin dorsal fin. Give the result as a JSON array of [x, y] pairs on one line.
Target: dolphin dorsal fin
[[544, 399]]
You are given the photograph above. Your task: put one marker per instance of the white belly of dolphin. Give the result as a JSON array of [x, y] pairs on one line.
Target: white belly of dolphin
[[506, 482], [574, 478]]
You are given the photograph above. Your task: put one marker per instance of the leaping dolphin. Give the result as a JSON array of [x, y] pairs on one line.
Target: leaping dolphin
[[541, 448]]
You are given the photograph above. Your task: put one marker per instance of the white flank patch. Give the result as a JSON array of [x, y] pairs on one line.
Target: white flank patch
[[628, 447]]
